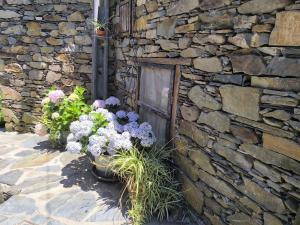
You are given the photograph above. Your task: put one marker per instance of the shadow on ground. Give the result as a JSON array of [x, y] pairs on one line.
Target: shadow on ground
[[78, 173]]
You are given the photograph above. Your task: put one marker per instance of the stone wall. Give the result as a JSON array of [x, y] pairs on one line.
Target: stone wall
[[43, 43], [239, 114]]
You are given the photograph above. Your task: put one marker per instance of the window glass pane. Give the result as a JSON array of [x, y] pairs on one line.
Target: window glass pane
[[155, 86], [125, 17], [158, 123]]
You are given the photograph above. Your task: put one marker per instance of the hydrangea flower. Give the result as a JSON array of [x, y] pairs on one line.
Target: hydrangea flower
[[132, 116], [84, 118], [108, 115], [56, 96], [71, 137], [74, 147], [118, 127], [130, 127], [81, 129], [97, 145], [121, 114], [115, 136], [112, 101], [40, 129], [95, 150], [45, 101], [55, 116], [86, 128], [146, 135], [99, 104], [73, 97], [119, 142]]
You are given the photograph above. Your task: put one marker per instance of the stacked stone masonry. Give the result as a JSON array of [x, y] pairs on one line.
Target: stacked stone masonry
[[238, 117], [43, 43]]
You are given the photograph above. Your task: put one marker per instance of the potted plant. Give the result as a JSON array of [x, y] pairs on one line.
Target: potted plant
[[104, 132], [101, 28], [59, 111]]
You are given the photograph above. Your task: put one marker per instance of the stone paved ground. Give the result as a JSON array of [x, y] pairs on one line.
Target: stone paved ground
[[55, 188]]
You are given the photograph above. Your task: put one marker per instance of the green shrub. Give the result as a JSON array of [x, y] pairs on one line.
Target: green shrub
[[57, 116], [152, 188]]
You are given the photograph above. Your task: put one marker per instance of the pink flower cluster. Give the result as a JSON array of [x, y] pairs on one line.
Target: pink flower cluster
[[99, 104], [56, 96]]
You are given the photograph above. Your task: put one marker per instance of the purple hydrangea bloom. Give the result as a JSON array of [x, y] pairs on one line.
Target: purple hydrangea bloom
[[112, 101], [99, 104], [56, 96]]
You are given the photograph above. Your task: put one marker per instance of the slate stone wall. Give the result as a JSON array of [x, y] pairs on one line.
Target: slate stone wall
[[238, 112], [43, 43]]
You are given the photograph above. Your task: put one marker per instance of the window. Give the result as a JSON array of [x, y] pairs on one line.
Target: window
[[155, 98], [126, 16]]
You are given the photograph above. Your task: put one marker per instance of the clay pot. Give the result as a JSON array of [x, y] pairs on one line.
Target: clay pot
[[100, 33], [103, 170]]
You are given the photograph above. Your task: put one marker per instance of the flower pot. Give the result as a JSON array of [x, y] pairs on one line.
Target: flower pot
[[100, 33], [63, 138], [102, 169]]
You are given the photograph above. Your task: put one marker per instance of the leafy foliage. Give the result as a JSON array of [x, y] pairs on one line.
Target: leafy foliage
[[151, 184], [68, 110]]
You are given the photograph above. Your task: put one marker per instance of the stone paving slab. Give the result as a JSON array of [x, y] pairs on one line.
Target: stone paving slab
[[54, 187]]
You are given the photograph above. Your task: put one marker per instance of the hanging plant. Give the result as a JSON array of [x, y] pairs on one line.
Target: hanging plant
[[101, 28]]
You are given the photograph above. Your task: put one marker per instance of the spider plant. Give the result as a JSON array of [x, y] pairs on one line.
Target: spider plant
[[150, 182], [99, 25]]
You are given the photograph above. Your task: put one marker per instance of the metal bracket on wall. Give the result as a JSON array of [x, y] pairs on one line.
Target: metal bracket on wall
[[100, 52]]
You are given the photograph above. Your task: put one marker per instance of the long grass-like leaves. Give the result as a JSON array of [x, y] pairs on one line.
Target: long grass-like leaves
[[151, 184]]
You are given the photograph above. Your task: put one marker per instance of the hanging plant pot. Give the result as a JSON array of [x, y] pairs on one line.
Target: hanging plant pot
[[102, 170], [100, 32]]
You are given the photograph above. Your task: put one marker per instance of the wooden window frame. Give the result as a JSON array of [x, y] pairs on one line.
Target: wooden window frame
[[173, 95], [130, 16]]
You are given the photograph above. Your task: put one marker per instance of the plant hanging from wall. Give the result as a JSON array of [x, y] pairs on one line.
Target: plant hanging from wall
[[100, 27]]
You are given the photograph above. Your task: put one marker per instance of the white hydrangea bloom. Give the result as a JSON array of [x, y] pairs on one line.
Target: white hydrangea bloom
[[74, 147], [75, 127], [96, 150], [84, 118], [100, 140], [109, 116], [85, 130], [71, 138], [55, 116]]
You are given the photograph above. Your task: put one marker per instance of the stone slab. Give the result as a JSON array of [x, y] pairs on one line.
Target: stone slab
[[241, 101], [190, 130], [282, 145], [281, 84], [287, 29]]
